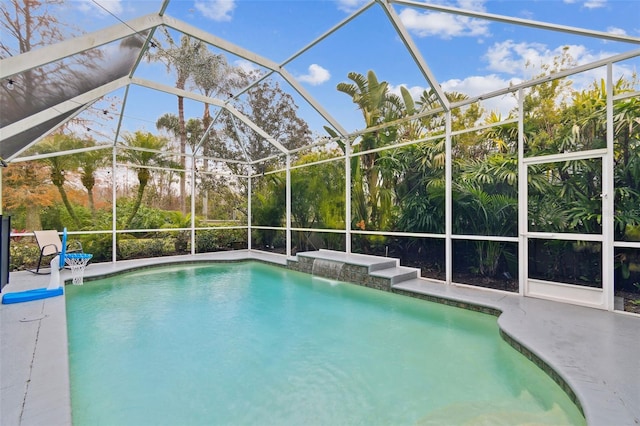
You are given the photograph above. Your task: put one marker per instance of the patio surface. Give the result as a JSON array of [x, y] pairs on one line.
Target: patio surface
[[595, 352]]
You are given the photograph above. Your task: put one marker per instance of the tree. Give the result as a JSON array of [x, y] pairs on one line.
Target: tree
[[61, 165], [268, 207], [275, 112], [371, 192], [89, 163], [183, 59], [214, 77], [26, 188], [145, 151], [317, 195], [588, 114], [29, 24], [421, 188]]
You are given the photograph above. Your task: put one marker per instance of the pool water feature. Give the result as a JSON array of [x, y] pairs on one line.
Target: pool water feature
[[249, 343], [327, 268]]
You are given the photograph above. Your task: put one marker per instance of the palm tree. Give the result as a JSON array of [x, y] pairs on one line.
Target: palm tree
[[372, 195], [184, 59], [60, 165], [146, 152], [89, 162]]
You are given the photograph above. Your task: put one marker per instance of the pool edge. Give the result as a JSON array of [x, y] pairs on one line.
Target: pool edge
[[604, 394]]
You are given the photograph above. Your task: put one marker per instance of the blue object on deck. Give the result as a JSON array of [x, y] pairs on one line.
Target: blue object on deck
[[63, 248], [26, 296]]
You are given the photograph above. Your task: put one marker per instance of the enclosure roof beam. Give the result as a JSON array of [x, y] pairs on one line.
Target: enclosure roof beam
[[311, 100], [223, 44], [519, 21], [185, 28], [36, 58], [313, 43], [61, 108], [415, 53], [329, 32], [212, 101], [175, 91], [61, 153], [556, 75], [239, 142]]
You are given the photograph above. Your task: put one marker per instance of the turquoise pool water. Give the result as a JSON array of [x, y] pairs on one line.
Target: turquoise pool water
[[250, 344]]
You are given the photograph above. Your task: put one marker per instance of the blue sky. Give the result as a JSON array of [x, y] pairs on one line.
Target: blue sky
[[466, 55]]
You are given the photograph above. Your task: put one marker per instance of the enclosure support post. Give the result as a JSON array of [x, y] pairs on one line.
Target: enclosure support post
[[114, 241], [448, 210], [522, 200], [608, 208], [114, 158], [193, 204], [288, 201], [347, 195], [249, 209]]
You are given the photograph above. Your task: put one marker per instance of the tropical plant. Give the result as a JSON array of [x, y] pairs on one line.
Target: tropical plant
[[372, 202], [142, 150], [60, 165], [89, 162], [480, 213], [268, 207], [183, 59], [179, 220], [317, 194]]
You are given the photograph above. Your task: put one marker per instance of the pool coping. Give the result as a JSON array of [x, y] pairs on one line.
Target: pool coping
[[590, 351]]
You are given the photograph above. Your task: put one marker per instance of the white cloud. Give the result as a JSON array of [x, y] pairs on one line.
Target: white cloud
[[509, 57], [246, 66], [415, 91], [527, 59], [350, 5], [317, 75], [616, 31], [483, 84], [476, 5], [217, 10], [103, 6], [589, 4], [473, 86], [443, 25], [595, 4]]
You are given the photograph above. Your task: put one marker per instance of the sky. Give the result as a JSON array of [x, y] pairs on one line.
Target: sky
[[464, 54]]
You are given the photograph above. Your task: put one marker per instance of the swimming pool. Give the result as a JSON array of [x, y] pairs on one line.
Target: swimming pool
[[253, 344]]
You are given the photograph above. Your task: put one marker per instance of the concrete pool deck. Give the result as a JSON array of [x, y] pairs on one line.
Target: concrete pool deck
[[595, 352]]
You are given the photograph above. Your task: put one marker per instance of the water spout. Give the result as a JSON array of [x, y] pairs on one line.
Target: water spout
[[327, 268]]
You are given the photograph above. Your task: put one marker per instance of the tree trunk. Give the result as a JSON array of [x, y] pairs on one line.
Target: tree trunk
[[32, 220], [143, 178], [88, 181], [92, 205], [57, 179]]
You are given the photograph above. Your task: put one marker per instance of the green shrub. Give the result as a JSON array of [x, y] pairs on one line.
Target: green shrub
[[145, 247], [23, 255]]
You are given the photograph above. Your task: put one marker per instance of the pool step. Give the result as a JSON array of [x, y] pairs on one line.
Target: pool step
[[397, 274], [372, 271], [372, 263]]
